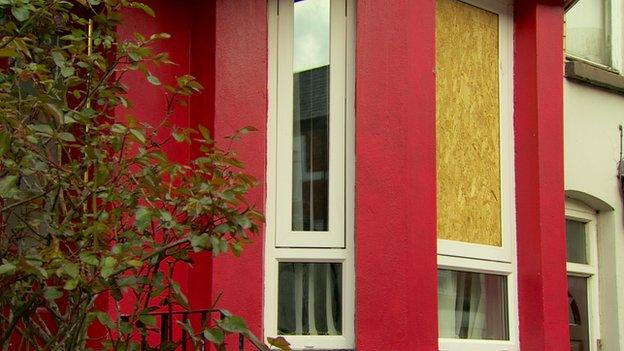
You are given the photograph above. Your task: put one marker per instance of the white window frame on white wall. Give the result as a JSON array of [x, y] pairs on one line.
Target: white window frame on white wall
[[487, 259], [613, 29], [336, 245], [578, 211]]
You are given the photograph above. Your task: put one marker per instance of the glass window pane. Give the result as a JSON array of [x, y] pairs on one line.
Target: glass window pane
[[576, 242], [578, 317], [309, 299], [310, 116], [587, 31], [472, 305]]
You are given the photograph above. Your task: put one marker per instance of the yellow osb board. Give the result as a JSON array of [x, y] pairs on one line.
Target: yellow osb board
[[467, 126]]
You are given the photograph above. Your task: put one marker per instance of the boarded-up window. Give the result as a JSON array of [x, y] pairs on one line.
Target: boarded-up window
[[468, 124]]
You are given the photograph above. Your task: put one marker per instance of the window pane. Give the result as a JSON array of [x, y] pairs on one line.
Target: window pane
[[309, 299], [578, 317], [472, 305], [586, 31], [576, 241], [310, 116]]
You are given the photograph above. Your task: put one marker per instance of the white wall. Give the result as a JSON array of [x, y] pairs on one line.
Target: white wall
[[592, 148]]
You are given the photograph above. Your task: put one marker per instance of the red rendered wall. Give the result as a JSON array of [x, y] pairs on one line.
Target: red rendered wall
[[202, 109], [241, 100], [539, 176], [149, 102], [395, 203]]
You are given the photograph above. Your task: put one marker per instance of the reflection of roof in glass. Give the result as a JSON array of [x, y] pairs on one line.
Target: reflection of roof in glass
[[312, 93]]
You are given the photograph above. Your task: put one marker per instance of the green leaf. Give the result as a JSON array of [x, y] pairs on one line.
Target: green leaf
[[179, 296], [205, 132], [280, 343], [89, 259], [148, 320], [233, 324], [52, 293], [201, 242], [237, 249], [179, 137], [139, 5], [108, 267], [58, 58], [54, 111], [4, 143], [6, 52], [8, 186], [138, 134], [160, 36], [7, 268], [67, 136], [67, 71], [214, 335], [71, 284], [118, 128], [153, 79], [42, 128], [103, 318], [21, 13], [143, 218], [71, 269]]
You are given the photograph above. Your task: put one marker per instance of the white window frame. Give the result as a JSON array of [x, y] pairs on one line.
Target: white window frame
[[506, 251], [614, 25], [577, 211], [477, 258], [337, 244]]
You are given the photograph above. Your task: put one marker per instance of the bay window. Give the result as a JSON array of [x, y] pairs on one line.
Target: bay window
[[477, 294], [309, 270]]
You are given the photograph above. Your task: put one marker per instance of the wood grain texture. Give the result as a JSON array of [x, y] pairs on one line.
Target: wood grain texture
[[467, 124]]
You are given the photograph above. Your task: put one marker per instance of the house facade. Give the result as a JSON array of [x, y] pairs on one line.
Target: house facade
[[410, 158]]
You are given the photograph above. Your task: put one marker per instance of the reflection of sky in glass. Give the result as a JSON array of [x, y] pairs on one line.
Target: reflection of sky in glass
[[311, 35]]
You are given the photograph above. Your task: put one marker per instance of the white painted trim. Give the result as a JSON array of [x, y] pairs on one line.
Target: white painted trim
[[506, 251], [578, 211], [475, 345], [488, 267], [334, 236], [311, 250]]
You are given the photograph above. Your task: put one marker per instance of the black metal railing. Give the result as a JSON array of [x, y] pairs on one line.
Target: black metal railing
[[169, 329]]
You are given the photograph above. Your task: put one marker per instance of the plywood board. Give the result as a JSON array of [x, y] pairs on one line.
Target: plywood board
[[467, 124]]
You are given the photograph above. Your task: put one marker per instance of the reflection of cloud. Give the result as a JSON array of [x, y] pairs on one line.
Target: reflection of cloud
[[311, 35]]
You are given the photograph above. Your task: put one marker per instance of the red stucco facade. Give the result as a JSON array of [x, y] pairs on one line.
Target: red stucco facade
[[224, 44]]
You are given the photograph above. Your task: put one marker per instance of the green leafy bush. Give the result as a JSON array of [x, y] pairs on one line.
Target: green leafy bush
[[93, 207]]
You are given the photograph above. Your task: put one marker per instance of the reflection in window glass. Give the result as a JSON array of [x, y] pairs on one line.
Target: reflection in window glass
[[472, 305], [310, 116], [578, 318], [309, 299], [587, 31], [576, 242]]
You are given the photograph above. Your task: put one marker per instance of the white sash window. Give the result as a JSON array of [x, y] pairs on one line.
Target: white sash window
[[309, 287]]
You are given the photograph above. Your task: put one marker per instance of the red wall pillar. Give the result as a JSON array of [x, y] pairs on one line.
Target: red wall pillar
[[201, 109], [539, 176], [241, 100], [395, 200]]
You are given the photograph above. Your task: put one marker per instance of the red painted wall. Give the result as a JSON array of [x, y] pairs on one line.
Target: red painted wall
[[539, 176], [202, 109], [149, 102], [395, 203], [241, 100]]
